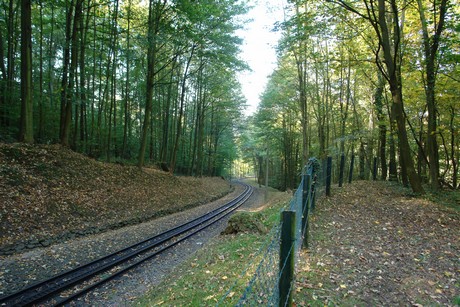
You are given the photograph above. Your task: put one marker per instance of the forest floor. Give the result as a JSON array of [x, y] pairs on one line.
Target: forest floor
[[49, 194], [371, 244], [374, 244]]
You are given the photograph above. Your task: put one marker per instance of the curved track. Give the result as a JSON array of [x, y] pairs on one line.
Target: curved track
[[65, 287]]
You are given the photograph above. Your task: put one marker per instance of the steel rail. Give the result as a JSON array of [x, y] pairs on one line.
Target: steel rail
[[156, 253], [46, 289]]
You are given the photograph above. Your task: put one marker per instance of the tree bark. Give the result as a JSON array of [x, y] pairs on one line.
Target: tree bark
[[301, 63], [155, 13], [394, 78], [3, 82], [181, 111], [453, 150], [41, 119], [431, 45], [378, 101], [111, 75], [83, 97], [9, 89], [127, 111], [65, 71], [390, 45], [26, 123]]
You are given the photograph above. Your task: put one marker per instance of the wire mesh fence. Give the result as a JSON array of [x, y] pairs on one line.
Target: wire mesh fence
[[267, 286]]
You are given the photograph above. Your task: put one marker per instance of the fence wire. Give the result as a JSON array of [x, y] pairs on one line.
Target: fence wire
[[263, 287], [296, 205]]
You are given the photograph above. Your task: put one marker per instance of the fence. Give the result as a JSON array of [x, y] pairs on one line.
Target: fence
[[273, 280]]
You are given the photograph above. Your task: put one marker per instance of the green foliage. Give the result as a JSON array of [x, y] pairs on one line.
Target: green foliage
[[448, 198], [109, 88], [322, 97]]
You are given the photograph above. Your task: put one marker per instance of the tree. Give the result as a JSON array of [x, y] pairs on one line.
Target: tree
[[296, 41], [376, 13], [26, 124], [430, 48], [67, 94], [156, 11]]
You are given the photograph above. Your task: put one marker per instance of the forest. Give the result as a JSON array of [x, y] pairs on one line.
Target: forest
[[151, 82], [371, 78], [154, 82]]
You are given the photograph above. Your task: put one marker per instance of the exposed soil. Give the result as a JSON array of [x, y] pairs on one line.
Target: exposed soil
[[372, 244], [49, 194]]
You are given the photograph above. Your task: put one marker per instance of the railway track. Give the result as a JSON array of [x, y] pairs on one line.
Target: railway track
[[66, 287]]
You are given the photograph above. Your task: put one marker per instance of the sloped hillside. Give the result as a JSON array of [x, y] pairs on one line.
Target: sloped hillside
[[49, 193]]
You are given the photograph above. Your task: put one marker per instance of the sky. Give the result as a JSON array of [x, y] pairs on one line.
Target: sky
[[258, 49]]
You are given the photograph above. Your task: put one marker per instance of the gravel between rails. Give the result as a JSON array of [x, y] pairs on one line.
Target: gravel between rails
[[20, 270]]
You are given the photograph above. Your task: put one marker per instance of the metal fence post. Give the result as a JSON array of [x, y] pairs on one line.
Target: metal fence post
[[324, 172], [305, 208], [374, 172], [286, 265], [313, 193], [342, 167], [328, 176], [352, 164], [305, 189]]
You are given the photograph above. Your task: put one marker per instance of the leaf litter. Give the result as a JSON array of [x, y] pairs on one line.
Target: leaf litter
[[374, 244], [50, 194]]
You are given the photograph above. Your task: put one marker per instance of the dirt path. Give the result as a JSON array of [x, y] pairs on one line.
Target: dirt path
[[372, 245]]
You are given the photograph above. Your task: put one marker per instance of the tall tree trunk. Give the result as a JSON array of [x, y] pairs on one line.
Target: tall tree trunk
[[167, 118], [431, 45], [393, 70], [111, 75], [100, 98], [392, 164], [321, 115], [155, 14], [51, 64], [10, 59], [2, 62], [344, 110], [378, 101], [300, 52], [181, 111], [201, 102], [41, 119], [83, 89], [70, 96], [3, 82], [389, 43], [26, 124], [127, 111], [362, 159], [65, 71], [453, 151], [421, 162], [149, 86]]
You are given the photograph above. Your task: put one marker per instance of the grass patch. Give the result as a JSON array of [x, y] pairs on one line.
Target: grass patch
[[314, 286], [448, 198], [209, 274]]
